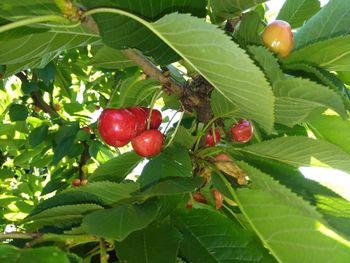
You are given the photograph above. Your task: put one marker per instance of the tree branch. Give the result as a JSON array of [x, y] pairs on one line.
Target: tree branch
[[39, 101]]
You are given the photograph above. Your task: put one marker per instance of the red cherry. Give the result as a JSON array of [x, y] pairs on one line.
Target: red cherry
[[156, 118], [148, 143], [141, 118], [199, 198], [218, 198], [117, 126], [223, 157], [87, 129], [76, 182], [242, 132], [209, 140], [278, 37]]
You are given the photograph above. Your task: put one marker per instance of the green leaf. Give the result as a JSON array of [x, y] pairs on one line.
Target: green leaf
[[22, 51], [297, 98], [119, 31], [64, 140], [301, 151], [38, 135], [9, 254], [211, 237], [172, 162], [117, 223], [43, 255], [67, 198], [135, 91], [110, 58], [29, 87], [282, 219], [154, 244], [331, 54], [331, 21], [225, 9], [296, 12], [60, 215], [331, 128], [172, 186], [268, 63], [18, 112], [184, 137], [22, 8], [116, 169], [252, 96], [248, 30], [108, 192]]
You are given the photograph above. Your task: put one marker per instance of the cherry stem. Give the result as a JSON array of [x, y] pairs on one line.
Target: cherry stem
[[167, 126], [113, 93], [176, 129], [155, 97], [33, 20], [213, 132], [103, 253]]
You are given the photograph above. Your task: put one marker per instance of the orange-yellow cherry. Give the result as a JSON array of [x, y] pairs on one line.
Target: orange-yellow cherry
[[278, 37]]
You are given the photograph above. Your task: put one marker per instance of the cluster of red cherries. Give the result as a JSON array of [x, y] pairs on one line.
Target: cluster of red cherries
[[241, 132], [118, 127]]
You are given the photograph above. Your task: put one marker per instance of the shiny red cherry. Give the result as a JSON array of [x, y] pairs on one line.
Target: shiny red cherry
[[76, 182], [278, 37], [199, 198], [219, 199], [242, 132], [141, 119], [209, 139], [148, 143], [117, 126], [156, 118]]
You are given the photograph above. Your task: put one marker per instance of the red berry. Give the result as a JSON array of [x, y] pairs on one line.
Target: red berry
[[223, 157], [117, 126], [209, 140], [141, 119], [242, 132], [278, 37], [148, 143], [76, 182], [189, 204], [218, 198], [156, 118], [87, 129], [199, 198]]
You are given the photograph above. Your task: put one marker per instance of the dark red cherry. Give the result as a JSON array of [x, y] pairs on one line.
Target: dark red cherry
[[156, 118]]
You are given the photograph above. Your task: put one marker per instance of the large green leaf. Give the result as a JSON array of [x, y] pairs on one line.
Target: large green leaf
[[296, 12], [109, 192], [331, 54], [120, 32], [60, 215], [332, 128], [297, 98], [12, 9], [116, 169], [301, 151], [333, 20], [172, 162], [38, 135], [110, 58], [23, 51], [67, 198], [225, 9], [268, 63], [241, 83], [172, 186], [211, 237], [117, 223], [290, 227], [154, 244]]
